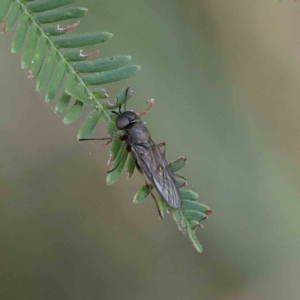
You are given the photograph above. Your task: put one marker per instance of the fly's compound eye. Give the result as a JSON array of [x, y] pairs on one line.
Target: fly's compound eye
[[125, 119]]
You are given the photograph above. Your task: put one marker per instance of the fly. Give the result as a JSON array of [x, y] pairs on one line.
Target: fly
[[149, 158]]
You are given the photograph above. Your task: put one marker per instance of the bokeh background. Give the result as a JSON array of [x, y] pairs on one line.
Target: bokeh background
[[226, 79]]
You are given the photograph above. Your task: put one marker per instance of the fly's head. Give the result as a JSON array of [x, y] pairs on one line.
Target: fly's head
[[125, 119]]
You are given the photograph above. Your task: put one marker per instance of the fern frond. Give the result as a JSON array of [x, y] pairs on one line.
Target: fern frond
[[57, 63], [54, 68]]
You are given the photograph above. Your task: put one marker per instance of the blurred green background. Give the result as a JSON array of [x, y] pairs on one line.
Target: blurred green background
[[225, 77]]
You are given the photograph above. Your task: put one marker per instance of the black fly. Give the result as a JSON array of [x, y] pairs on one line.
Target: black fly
[[148, 156], [149, 159]]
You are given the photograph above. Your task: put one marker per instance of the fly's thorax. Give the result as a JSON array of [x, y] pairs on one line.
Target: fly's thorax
[[138, 133]]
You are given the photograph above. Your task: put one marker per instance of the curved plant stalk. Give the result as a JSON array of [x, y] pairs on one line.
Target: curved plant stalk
[[56, 61]]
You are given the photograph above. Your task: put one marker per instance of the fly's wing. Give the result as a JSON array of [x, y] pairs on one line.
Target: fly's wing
[[156, 168]]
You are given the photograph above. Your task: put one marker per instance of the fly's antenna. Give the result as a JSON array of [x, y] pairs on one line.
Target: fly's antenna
[[115, 112]]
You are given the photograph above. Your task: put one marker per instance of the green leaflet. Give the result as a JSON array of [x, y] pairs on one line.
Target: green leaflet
[[61, 14], [77, 91], [4, 7], [75, 55], [194, 215], [43, 5], [188, 194], [20, 34], [62, 103], [195, 206], [102, 64], [111, 128], [178, 164], [54, 30], [123, 96], [162, 205], [89, 124], [73, 113], [11, 17], [120, 161], [82, 40], [39, 56], [194, 239], [100, 93], [47, 70], [112, 75], [141, 195], [130, 166], [29, 49], [115, 147], [55, 81]]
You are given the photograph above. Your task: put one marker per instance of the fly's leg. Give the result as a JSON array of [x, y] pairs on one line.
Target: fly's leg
[[151, 102], [177, 160], [107, 139], [150, 187], [163, 144], [185, 181], [124, 150]]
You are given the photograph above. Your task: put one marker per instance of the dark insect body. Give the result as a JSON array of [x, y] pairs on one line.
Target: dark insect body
[[148, 157]]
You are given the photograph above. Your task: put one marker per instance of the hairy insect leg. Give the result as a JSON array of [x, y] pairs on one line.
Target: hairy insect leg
[[108, 139], [163, 144], [185, 183], [150, 187], [151, 103], [177, 160], [124, 150]]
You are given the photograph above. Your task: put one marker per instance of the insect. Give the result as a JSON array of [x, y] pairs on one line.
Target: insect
[[149, 158]]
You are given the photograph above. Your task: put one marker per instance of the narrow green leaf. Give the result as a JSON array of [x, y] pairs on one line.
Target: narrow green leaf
[[194, 205], [39, 56], [113, 177], [77, 91], [61, 15], [111, 128], [62, 103], [43, 5], [194, 223], [179, 182], [179, 218], [115, 147], [194, 215], [4, 7], [178, 164], [112, 75], [82, 40], [123, 96], [12, 16], [141, 195], [53, 30], [100, 93], [75, 55], [188, 194], [194, 239], [73, 113], [102, 64], [130, 166], [20, 34], [89, 124], [29, 48], [161, 206], [55, 81], [47, 70]]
